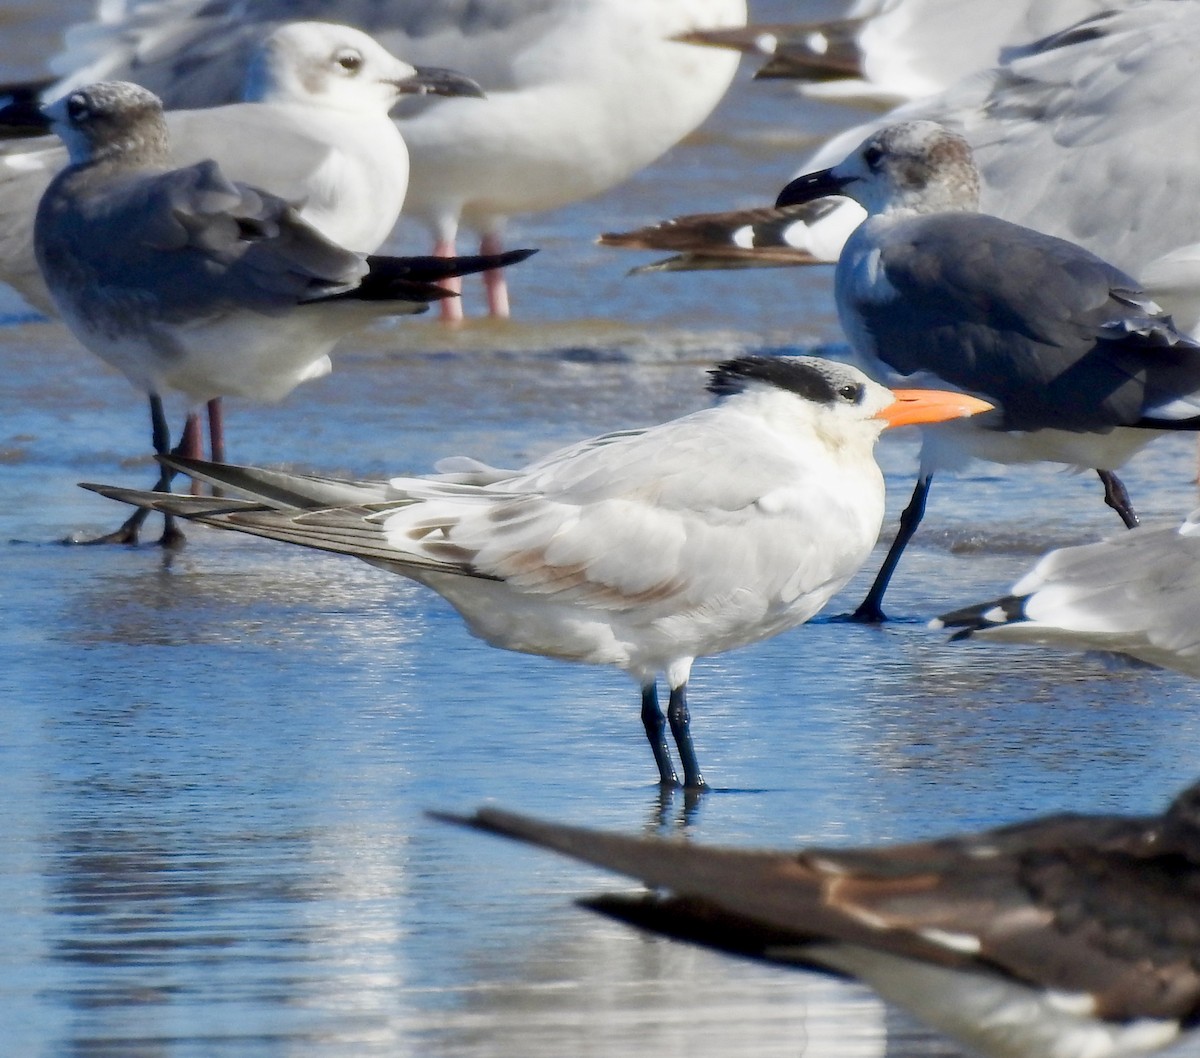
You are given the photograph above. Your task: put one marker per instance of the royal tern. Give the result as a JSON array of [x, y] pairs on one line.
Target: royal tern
[[185, 281], [643, 549], [1069, 936], [581, 93], [1084, 367], [1137, 593]]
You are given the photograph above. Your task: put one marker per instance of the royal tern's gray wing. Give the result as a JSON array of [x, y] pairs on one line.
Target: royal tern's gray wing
[[627, 519], [1052, 333], [359, 530], [288, 490], [1137, 593]]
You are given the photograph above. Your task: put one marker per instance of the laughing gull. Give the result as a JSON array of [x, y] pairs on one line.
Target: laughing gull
[[1068, 135], [1084, 367], [643, 549], [1136, 594], [313, 128], [186, 281], [1069, 936], [580, 95]]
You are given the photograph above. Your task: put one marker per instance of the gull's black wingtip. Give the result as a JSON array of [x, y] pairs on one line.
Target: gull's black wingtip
[[21, 113], [511, 257]]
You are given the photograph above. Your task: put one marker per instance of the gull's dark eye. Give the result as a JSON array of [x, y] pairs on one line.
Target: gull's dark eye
[[851, 392], [77, 107], [349, 60], [873, 156]]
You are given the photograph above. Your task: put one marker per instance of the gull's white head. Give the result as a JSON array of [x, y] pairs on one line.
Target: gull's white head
[[110, 120], [329, 65], [912, 166]]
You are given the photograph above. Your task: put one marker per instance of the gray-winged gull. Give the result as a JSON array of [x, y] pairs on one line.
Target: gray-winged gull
[[186, 281], [1069, 136], [313, 127], [1084, 367]]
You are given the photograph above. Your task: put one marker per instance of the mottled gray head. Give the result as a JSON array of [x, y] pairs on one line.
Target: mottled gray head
[[110, 119], [915, 166]]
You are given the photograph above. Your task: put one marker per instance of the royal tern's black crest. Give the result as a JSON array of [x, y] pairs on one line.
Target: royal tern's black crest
[[810, 377]]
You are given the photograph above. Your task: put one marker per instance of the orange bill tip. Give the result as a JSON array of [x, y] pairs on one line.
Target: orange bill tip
[[915, 406]]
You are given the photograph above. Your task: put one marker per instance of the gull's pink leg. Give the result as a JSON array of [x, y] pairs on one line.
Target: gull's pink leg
[[494, 283], [451, 308], [191, 445]]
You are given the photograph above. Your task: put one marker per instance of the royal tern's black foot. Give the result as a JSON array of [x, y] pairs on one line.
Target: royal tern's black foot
[[868, 613], [870, 610], [1117, 498], [680, 721], [656, 734]]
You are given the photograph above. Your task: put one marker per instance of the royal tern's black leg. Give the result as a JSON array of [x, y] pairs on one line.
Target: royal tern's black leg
[[1117, 498], [680, 720], [656, 733], [870, 610]]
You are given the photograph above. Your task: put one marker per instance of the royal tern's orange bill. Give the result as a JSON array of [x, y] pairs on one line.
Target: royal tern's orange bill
[[913, 406]]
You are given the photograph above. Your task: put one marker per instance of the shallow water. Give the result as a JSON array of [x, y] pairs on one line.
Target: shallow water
[[216, 764]]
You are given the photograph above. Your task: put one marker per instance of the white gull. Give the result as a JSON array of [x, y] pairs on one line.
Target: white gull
[[882, 53], [1137, 593]]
